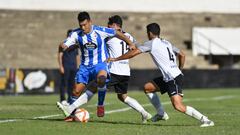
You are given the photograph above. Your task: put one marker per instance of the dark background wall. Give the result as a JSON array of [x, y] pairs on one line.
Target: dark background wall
[[192, 78]]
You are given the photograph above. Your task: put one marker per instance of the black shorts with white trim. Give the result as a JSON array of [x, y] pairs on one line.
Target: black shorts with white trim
[[172, 87], [119, 83]]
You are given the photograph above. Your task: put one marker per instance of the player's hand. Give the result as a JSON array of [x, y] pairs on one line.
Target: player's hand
[[61, 69]]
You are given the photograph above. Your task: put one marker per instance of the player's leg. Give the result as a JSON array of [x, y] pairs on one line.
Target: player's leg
[[101, 71], [68, 109], [190, 111], [120, 84], [102, 88], [84, 98], [176, 96], [82, 78], [150, 90]]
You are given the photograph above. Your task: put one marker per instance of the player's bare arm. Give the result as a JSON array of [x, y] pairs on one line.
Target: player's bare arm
[[60, 55], [127, 55], [121, 36], [66, 48], [181, 57]]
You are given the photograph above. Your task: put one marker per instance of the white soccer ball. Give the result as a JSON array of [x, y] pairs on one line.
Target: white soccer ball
[[81, 115]]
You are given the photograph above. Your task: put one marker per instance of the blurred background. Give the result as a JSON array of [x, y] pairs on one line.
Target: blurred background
[[207, 31]]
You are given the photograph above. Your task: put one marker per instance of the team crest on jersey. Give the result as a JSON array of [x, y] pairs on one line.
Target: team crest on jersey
[[90, 46]]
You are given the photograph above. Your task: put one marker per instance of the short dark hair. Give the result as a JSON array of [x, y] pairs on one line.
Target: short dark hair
[[83, 16], [68, 32], [154, 28], [115, 19]]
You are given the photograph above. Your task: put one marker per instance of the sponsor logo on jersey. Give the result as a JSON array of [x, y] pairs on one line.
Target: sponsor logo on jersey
[[90, 46]]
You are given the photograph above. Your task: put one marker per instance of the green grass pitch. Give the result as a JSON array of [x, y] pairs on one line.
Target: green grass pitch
[[33, 115]]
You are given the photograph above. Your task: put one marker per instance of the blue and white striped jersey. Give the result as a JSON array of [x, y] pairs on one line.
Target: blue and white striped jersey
[[92, 45]]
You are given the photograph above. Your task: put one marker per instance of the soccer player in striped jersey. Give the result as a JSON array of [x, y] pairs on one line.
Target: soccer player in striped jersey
[[91, 40], [120, 70], [164, 58]]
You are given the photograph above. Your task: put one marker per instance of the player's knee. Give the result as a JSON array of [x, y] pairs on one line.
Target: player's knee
[[149, 87], [101, 81], [78, 89], [76, 93]]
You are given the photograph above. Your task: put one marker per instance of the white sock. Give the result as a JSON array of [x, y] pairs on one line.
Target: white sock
[[83, 99], [154, 99], [134, 104], [195, 114]]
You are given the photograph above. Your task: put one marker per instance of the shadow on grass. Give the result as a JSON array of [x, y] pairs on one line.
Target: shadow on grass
[[136, 123]]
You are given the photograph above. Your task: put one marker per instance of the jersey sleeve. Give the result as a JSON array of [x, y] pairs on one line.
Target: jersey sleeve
[[105, 32], [71, 39], [146, 47]]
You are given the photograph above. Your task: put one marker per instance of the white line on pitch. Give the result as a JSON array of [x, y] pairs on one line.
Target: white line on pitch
[[48, 116], [9, 120]]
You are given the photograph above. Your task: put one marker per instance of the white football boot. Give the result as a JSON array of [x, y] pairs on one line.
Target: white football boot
[[64, 108], [146, 117], [208, 123]]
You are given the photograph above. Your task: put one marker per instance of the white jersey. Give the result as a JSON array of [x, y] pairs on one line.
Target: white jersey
[[163, 55], [118, 47]]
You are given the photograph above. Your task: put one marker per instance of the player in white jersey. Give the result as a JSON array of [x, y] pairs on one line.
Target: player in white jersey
[[120, 70], [91, 40], [151, 87], [164, 58]]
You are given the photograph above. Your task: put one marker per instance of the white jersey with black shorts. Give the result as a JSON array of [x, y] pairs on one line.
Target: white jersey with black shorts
[[119, 70], [163, 55]]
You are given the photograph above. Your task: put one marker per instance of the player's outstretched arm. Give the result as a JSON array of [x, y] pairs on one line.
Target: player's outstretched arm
[[127, 55], [121, 36], [181, 57]]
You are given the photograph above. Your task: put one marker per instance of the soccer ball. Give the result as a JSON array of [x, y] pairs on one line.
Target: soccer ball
[[81, 115]]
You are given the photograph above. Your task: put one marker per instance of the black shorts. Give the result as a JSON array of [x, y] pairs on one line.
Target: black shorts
[[172, 87], [119, 83]]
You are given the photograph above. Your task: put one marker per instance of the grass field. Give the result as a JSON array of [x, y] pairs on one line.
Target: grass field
[[33, 115]]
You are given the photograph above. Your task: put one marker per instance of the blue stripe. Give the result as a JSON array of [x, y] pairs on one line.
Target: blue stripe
[[80, 41], [90, 52], [106, 50], [99, 42]]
